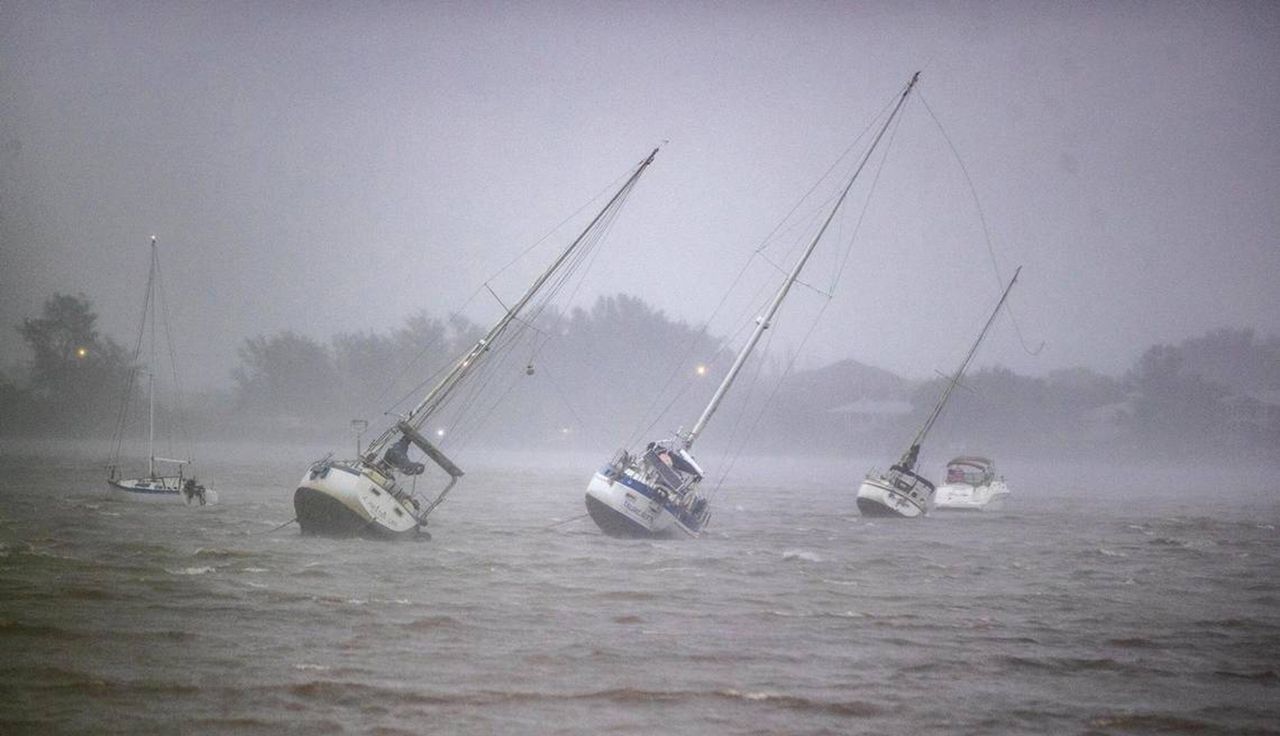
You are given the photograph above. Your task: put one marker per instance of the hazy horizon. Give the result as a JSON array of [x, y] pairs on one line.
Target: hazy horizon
[[333, 169]]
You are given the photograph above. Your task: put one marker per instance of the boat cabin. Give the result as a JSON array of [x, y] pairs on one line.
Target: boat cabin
[[971, 470]]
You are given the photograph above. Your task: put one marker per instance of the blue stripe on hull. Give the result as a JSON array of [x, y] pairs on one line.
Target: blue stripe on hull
[[691, 523], [144, 491]]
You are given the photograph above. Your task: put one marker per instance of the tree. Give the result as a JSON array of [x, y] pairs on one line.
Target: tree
[[76, 374], [286, 374]]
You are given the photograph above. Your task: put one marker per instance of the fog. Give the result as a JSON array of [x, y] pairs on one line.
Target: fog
[[324, 171]]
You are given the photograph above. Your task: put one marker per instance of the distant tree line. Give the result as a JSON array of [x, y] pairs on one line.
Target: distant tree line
[[621, 370], [75, 378]]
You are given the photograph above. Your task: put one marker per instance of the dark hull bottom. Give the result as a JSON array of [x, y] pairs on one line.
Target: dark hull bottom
[[322, 515], [867, 507], [617, 525]]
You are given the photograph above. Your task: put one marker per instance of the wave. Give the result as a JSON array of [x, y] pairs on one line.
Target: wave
[[1136, 642], [218, 553], [11, 628], [430, 623], [1151, 723], [341, 693], [1263, 676]]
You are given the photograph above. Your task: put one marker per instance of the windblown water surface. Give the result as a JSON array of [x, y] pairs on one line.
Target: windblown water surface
[[1143, 607]]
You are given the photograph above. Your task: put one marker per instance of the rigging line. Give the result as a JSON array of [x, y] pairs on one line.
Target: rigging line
[[276, 529], [772, 395], [866, 205], [589, 256], [982, 218], [591, 236], [754, 307], [586, 253], [720, 349], [607, 188], [742, 413], [421, 352], [497, 298], [465, 423], [573, 268], [690, 344], [799, 282], [579, 268], [179, 410], [564, 398], [135, 369], [751, 385], [765, 242], [469, 423]]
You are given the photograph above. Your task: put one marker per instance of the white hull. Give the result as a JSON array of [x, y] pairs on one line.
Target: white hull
[[161, 490], [964, 497], [351, 500], [626, 507], [620, 511], [880, 496]]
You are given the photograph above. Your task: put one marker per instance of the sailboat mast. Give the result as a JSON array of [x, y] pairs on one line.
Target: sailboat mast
[[762, 323], [151, 369], [955, 377], [464, 366]]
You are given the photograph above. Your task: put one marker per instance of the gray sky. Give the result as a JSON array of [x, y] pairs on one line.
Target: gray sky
[[331, 167]]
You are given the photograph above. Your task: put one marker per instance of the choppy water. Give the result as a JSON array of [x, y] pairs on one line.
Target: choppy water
[[1072, 612]]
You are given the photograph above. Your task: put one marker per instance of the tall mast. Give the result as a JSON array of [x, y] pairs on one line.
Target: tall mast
[[151, 368], [909, 458], [762, 323], [468, 362]]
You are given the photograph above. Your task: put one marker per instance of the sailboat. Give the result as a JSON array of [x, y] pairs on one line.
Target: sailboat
[[165, 476], [365, 496], [653, 492], [901, 492]]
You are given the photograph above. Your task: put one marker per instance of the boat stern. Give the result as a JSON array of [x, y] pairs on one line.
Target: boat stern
[[337, 499], [894, 494], [621, 508]]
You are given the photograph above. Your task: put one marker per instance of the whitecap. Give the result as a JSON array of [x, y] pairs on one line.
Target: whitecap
[[801, 554], [189, 571], [1110, 553], [315, 667]]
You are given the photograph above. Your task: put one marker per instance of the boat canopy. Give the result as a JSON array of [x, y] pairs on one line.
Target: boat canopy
[[976, 461], [970, 469]]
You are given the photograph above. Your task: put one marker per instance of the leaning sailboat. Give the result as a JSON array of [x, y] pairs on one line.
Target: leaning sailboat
[[367, 496], [901, 491], [653, 492], [165, 476]]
